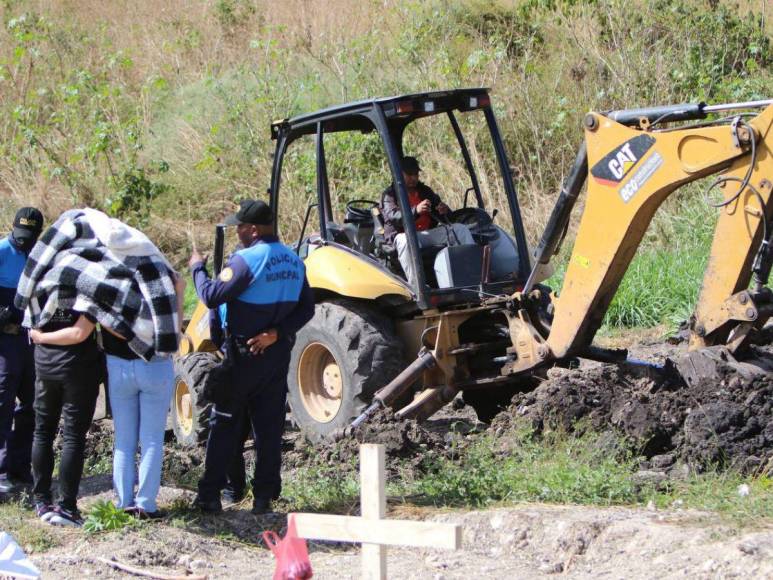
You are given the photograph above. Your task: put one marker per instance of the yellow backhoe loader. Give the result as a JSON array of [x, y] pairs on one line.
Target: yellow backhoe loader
[[476, 319]]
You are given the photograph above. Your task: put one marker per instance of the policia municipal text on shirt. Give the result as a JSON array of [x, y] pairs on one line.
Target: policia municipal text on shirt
[[267, 300]]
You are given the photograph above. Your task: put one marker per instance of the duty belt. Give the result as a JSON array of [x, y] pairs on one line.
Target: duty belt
[[13, 329], [240, 345]]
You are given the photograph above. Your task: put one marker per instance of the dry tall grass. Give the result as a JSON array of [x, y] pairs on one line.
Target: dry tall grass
[[165, 105]]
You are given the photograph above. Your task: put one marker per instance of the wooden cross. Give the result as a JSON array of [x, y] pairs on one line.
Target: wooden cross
[[371, 529]]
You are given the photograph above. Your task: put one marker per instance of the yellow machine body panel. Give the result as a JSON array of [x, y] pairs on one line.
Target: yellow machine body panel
[[196, 337], [342, 272]]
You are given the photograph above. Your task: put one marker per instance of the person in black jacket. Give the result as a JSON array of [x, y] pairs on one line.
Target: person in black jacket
[[425, 206], [69, 367]]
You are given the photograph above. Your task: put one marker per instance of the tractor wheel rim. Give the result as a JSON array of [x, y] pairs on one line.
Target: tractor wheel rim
[[183, 407], [320, 382]]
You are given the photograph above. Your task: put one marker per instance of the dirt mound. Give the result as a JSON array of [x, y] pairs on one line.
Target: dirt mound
[[401, 438], [725, 422], [183, 466], [405, 442]]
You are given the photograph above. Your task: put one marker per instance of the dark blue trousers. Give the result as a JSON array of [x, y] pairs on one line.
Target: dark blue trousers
[[236, 475], [17, 420], [260, 387]]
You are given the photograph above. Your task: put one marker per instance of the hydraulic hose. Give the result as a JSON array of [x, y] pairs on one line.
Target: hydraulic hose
[[392, 391], [559, 218]]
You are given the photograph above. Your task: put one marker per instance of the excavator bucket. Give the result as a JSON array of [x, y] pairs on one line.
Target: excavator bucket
[[716, 363]]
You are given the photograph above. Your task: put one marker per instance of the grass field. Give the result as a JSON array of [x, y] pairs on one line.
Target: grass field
[[158, 113]]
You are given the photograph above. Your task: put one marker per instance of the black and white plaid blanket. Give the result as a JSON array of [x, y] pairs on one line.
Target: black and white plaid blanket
[[91, 263]]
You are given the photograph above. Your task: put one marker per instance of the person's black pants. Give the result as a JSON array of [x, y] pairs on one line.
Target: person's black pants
[[73, 399], [264, 380], [236, 476], [17, 381]]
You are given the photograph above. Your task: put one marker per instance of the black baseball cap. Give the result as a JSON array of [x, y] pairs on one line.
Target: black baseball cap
[[251, 211], [27, 224], [411, 165]]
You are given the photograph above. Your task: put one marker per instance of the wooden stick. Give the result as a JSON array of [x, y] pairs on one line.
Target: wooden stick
[[373, 507], [148, 574], [191, 230], [391, 532]]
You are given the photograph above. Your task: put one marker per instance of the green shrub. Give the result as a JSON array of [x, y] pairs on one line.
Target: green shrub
[[103, 516]]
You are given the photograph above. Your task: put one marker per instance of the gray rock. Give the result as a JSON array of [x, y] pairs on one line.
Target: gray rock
[[646, 477], [679, 472], [748, 548], [663, 461]]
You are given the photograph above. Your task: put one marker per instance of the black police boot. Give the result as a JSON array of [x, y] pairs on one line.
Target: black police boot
[[209, 506], [261, 505]]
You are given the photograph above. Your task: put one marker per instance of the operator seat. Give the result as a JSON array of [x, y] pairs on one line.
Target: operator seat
[[359, 226]]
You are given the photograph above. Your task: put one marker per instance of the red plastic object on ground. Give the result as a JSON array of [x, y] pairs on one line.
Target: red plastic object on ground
[[292, 555]]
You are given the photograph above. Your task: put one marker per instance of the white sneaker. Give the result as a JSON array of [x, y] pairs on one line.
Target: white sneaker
[[63, 517], [44, 511]]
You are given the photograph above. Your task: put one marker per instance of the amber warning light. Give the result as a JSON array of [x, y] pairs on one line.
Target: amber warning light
[[404, 107]]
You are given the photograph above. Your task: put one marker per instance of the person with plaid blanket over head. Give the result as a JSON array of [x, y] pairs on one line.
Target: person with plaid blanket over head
[[93, 264], [89, 268]]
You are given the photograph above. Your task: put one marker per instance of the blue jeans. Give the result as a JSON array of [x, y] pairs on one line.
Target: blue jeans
[[140, 393]]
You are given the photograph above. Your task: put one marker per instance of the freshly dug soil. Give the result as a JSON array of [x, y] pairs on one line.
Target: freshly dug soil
[[183, 466], [724, 422], [406, 441]]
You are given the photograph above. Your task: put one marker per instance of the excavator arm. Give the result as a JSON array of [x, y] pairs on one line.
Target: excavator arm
[[631, 169], [734, 297]]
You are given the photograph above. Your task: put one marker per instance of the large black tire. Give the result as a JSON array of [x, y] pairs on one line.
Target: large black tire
[[340, 359], [190, 412]]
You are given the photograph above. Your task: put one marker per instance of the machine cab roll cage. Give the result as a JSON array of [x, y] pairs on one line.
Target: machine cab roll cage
[[390, 116]]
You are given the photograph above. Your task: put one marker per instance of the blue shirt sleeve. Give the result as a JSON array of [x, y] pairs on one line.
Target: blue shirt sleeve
[[231, 282]]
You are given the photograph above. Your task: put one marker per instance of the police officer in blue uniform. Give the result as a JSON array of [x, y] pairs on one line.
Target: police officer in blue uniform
[[267, 299], [236, 475], [17, 366]]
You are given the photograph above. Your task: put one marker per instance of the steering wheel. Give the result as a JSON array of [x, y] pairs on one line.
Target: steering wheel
[[358, 210]]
